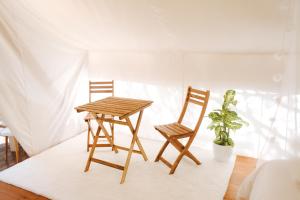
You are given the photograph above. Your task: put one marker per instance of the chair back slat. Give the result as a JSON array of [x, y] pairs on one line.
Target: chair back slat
[[102, 82], [196, 91], [101, 91], [196, 102], [105, 87], [198, 97], [101, 87]]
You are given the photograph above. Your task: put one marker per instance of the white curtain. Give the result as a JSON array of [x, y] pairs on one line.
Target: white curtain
[[284, 138], [153, 50], [42, 79], [257, 59]]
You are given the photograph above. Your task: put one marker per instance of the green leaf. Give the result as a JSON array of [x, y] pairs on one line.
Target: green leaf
[[219, 142], [225, 120], [230, 142], [229, 99], [214, 116], [218, 129], [234, 125]]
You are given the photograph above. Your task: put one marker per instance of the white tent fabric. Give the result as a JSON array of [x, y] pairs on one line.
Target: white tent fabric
[[154, 49], [284, 140], [41, 80]]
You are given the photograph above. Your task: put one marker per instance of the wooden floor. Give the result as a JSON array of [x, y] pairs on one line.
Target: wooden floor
[[11, 161], [243, 167], [10, 192]]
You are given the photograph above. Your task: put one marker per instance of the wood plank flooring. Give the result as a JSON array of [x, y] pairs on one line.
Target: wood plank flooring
[[10, 192], [243, 167], [11, 161]]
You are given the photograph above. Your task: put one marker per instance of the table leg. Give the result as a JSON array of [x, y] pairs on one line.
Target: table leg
[[134, 139], [112, 128], [106, 134], [92, 150], [100, 122], [88, 140], [137, 139]]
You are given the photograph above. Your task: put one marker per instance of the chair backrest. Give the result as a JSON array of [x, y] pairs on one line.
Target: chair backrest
[[198, 97], [105, 87]]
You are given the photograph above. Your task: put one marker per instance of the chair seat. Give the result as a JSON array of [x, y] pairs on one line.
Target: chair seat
[[174, 130], [89, 116]]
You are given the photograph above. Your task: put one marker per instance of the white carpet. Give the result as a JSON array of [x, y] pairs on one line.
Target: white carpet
[[58, 174]]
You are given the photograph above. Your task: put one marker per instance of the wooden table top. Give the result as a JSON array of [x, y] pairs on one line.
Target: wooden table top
[[116, 106]]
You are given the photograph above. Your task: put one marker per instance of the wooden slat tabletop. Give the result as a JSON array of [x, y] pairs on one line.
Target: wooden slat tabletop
[[116, 106]]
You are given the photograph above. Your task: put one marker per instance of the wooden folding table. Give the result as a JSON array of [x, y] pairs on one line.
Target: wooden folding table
[[121, 108]]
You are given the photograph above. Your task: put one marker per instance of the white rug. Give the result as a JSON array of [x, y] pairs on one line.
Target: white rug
[[58, 174]]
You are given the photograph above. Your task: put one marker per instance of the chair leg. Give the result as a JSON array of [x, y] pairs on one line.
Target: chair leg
[[162, 150], [6, 148], [182, 153], [180, 147], [174, 166], [16, 149]]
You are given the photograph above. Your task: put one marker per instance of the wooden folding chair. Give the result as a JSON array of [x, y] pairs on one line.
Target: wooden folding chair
[[104, 87], [175, 131]]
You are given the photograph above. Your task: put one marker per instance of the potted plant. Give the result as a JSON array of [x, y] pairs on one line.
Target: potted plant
[[224, 122]]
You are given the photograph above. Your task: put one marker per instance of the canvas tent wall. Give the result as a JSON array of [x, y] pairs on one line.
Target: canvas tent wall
[[154, 50]]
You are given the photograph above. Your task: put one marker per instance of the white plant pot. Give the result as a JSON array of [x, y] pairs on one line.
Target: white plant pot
[[222, 153]]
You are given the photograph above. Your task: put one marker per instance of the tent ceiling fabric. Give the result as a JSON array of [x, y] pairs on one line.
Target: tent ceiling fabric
[[190, 25], [154, 48]]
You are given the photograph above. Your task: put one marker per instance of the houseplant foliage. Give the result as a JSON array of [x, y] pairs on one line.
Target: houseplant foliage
[[226, 120]]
